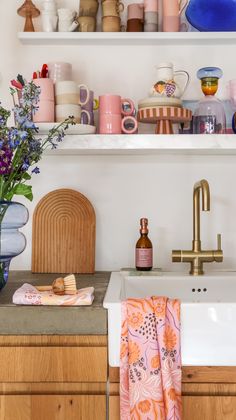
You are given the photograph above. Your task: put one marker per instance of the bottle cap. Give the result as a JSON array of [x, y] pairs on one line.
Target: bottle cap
[[144, 225]]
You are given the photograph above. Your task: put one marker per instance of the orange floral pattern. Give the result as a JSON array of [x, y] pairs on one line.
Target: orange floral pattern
[[144, 406], [170, 339], [135, 319], [155, 362], [150, 360], [134, 352]]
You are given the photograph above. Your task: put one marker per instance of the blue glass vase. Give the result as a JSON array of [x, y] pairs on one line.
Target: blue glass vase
[[212, 15], [12, 242]]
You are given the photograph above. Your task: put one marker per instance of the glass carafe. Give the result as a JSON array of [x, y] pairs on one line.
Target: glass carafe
[[209, 117]]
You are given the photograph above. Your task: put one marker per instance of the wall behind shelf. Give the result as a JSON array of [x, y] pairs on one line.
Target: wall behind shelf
[[124, 188]]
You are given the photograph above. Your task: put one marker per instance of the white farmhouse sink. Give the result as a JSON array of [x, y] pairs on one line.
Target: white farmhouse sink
[[208, 312]]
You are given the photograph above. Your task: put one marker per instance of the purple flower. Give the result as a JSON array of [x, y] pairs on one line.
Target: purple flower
[[5, 160], [25, 166], [36, 170]]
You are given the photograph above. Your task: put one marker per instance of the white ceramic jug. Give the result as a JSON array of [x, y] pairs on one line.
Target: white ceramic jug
[[166, 85]]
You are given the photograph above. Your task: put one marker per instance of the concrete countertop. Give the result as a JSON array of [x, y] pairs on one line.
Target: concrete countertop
[[79, 320]]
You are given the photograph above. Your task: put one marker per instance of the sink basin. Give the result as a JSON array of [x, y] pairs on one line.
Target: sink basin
[[208, 312]]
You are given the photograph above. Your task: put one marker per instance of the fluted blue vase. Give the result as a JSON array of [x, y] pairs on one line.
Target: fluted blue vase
[[12, 242]]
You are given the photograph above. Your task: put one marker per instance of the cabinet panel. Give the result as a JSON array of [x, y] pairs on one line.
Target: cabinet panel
[[72, 407], [209, 408], [53, 364], [15, 407], [114, 408], [53, 407]]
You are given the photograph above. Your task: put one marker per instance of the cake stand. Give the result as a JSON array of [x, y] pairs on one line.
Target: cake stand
[[164, 117]]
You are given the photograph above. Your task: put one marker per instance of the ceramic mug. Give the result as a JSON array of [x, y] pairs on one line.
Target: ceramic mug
[[151, 5], [45, 112], [47, 89], [150, 27], [88, 8], [92, 105], [134, 25], [136, 11], [67, 20], [172, 9], [49, 21], [87, 24], [151, 17], [59, 71], [68, 92], [69, 110], [50, 6], [111, 24], [112, 8], [115, 124], [114, 104], [67, 25]]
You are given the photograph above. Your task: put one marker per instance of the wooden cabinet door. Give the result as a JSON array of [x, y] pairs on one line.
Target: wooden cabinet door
[[74, 407], [114, 408], [209, 408], [15, 407], [53, 407]]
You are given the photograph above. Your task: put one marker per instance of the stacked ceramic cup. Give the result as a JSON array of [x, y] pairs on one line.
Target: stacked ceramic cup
[[68, 102], [49, 16], [67, 20], [46, 106], [135, 17], [150, 15], [91, 106], [111, 10], [59, 71], [114, 118], [87, 15]]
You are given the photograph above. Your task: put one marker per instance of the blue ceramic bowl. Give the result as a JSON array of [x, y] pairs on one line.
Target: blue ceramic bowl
[[212, 15]]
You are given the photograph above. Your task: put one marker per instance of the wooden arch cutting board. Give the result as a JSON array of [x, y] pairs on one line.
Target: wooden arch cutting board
[[63, 240]]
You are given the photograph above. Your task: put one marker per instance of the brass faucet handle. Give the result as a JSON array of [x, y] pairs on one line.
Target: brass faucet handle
[[219, 247], [218, 254]]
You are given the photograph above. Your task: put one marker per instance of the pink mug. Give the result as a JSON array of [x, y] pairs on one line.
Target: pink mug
[[113, 104], [115, 124], [46, 105], [151, 5], [172, 9], [135, 11], [46, 89]]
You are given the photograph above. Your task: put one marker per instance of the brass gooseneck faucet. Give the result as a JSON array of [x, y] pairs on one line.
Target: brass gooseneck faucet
[[196, 257]]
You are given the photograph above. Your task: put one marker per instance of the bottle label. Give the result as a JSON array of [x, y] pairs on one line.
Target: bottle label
[[144, 257]]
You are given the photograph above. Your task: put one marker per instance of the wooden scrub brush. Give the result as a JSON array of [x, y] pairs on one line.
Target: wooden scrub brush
[[61, 286]]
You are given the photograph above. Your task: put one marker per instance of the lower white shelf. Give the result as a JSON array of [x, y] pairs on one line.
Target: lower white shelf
[[139, 144]]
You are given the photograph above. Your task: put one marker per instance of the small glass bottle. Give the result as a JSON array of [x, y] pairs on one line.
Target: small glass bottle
[[143, 252], [209, 117]]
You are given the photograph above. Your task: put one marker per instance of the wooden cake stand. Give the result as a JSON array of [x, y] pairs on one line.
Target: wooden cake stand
[[164, 117]]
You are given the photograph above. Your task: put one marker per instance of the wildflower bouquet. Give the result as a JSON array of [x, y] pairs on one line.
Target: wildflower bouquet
[[21, 148]]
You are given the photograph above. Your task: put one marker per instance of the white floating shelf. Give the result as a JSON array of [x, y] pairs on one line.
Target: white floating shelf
[[149, 144], [127, 38]]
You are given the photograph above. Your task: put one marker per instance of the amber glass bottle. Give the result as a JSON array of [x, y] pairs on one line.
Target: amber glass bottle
[[143, 252]]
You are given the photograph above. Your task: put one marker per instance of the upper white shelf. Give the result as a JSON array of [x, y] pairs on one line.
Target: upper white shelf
[[146, 144], [127, 38]]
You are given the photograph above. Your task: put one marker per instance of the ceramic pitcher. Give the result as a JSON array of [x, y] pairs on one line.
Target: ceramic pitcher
[[166, 84]]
